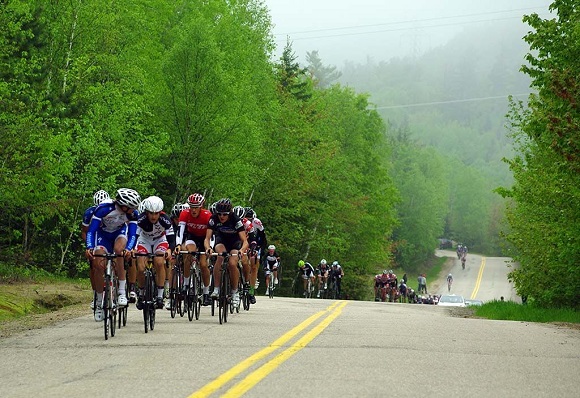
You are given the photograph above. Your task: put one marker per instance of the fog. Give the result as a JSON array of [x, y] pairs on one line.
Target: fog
[[356, 30]]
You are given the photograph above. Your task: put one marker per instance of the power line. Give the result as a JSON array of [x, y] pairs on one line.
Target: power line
[[395, 30], [410, 21], [452, 101]]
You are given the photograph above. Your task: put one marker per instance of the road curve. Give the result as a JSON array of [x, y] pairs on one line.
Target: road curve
[[289, 347]]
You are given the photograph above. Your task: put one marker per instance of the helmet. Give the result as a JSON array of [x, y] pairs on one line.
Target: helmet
[[323, 262], [301, 263], [153, 204], [141, 207], [335, 263], [100, 196], [195, 200], [178, 208], [239, 211], [385, 272], [250, 212], [450, 276], [223, 205], [390, 271], [212, 208], [271, 247], [128, 197]]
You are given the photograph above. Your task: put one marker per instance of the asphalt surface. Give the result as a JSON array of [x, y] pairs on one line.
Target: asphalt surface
[[290, 347]]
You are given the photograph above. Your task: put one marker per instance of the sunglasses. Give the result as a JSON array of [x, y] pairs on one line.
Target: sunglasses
[[223, 214]]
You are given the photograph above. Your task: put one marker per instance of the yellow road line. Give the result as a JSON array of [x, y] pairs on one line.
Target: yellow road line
[[256, 376], [478, 281], [225, 377]]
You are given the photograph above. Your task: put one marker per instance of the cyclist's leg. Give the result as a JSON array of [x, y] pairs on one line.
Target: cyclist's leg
[[161, 247], [205, 277], [119, 247], [132, 278], [190, 246]]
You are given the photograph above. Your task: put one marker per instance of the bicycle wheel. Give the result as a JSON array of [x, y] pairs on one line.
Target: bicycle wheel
[[147, 300], [106, 294], [173, 291], [198, 297], [181, 298], [152, 304], [113, 306], [191, 296], [223, 297], [271, 286]]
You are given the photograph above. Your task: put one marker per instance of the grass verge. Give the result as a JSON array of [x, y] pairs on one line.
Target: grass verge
[[511, 311]]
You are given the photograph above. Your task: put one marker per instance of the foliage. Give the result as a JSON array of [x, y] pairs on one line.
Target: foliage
[[511, 311], [544, 214]]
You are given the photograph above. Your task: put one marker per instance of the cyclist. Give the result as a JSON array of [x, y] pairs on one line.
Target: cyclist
[[230, 237], [449, 281], [155, 236], [132, 266], [193, 229], [337, 273], [113, 228], [99, 197], [307, 271], [403, 289], [239, 211], [322, 271], [381, 281], [258, 242], [271, 263]]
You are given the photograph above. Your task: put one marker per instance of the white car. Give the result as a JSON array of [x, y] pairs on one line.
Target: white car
[[451, 300]]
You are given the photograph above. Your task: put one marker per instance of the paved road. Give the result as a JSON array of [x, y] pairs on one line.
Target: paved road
[[484, 278], [288, 347]]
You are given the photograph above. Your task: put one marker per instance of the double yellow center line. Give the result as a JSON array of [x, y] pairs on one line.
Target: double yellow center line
[[478, 281], [253, 378]]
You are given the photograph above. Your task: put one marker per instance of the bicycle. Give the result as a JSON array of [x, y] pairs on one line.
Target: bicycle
[[176, 302], [123, 311], [449, 283], [463, 259], [224, 299], [309, 288], [244, 289], [149, 301], [194, 294], [109, 304]]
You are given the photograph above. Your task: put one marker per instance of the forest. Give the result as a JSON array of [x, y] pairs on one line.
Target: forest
[[170, 98]]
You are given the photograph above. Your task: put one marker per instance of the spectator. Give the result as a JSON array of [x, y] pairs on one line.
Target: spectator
[[422, 284]]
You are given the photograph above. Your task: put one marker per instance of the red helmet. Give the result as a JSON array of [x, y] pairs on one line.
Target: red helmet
[[195, 200]]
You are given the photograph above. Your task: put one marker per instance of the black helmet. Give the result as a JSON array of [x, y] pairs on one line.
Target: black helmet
[[223, 206], [250, 212]]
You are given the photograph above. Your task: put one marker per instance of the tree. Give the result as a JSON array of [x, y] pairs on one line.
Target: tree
[[544, 215], [322, 75]]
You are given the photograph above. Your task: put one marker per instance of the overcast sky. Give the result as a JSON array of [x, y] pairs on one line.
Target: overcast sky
[[356, 29]]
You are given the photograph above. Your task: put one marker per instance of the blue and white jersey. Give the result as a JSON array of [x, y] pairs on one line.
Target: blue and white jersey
[[109, 218], [90, 211]]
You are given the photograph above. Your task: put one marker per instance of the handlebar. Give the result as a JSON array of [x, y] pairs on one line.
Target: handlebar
[[108, 255]]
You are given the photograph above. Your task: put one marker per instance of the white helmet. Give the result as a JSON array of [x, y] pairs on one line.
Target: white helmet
[[239, 211], [100, 196], [141, 208], [178, 208], [335, 263], [271, 247], [128, 197], [153, 204], [323, 262]]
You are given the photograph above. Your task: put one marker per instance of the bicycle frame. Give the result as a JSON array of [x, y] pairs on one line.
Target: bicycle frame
[[109, 303], [149, 301]]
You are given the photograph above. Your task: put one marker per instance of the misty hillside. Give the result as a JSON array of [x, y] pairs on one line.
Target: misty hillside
[[446, 97]]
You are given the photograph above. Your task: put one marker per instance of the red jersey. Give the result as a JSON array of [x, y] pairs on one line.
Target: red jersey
[[196, 226]]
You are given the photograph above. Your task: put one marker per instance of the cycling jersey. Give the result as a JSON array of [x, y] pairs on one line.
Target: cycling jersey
[[90, 211], [149, 230], [228, 232], [271, 261], [307, 270], [196, 227], [322, 269], [109, 222]]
